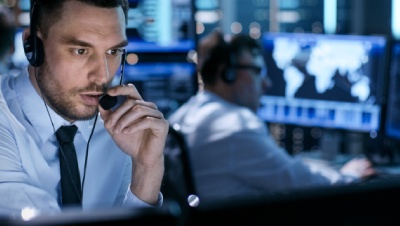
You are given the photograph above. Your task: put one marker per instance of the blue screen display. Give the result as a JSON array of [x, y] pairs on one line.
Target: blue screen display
[[154, 25], [168, 85], [328, 81], [160, 26], [392, 120]]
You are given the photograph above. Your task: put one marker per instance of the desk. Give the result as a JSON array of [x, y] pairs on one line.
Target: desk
[[315, 157]]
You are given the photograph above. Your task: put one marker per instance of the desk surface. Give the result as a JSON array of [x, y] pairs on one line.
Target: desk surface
[[316, 157]]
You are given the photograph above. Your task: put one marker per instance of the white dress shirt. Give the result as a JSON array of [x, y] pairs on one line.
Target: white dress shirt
[[29, 163], [232, 153], [3, 68]]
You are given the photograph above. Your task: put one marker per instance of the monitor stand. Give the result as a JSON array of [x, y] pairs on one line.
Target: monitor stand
[[330, 144], [341, 146], [336, 147]]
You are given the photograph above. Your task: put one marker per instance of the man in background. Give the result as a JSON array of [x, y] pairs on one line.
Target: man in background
[[231, 152]]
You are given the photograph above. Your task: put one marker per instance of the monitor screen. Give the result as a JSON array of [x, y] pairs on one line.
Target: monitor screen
[[168, 85], [152, 25], [161, 26], [392, 121], [328, 81]]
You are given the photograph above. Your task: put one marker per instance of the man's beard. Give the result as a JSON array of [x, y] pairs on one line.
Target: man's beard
[[60, 100]]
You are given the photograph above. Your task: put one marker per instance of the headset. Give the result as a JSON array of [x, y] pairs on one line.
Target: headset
[[33, 46], [229, 73], [34, 52], [221, 53]]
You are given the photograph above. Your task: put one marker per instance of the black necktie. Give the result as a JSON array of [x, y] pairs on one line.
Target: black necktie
[[69, 171]]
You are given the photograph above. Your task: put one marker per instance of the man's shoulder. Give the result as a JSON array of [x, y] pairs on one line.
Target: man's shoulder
[[7, 119], [209, 106], [4, 109], [7, 86]]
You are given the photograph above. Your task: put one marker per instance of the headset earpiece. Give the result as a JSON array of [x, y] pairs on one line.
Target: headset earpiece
[[229, 74], [33, 46], [34, 51]]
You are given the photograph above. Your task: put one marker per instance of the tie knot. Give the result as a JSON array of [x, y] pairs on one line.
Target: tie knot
[[66, 134]]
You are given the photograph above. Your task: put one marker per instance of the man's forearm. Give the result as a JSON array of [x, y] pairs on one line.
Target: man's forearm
[[146, 182]]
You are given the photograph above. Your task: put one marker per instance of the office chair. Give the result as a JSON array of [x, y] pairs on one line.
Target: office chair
[[178, 182]]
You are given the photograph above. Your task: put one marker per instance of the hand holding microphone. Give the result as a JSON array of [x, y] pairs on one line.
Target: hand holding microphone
[[135, 124], [140, 130], [133, 117]]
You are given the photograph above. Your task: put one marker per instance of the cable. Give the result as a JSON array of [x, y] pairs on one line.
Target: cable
[[87, 152], [80, 194], [59, 145]]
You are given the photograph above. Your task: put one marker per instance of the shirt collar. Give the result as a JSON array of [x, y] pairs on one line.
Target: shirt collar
[[3, 68], [36, 114], [211, 96]]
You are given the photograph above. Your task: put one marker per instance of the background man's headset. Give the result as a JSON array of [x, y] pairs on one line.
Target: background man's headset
[[221, 53], [229, 73]]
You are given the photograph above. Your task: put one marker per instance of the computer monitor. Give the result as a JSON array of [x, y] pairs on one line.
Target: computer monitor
[[392, 121], [162, 36], [327, 81], [338, 205], [167, 84], [152, 25], [161, 26]]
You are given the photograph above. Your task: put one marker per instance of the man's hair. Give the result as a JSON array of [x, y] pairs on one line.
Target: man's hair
[[223, 53], [7, 30], [49, 11]]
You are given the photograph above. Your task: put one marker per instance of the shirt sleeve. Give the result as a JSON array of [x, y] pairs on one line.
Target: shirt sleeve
[[19, 181], [126, 197], [265, 166], [132, 201]]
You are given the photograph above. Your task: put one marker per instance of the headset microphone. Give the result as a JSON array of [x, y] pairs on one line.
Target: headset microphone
[[106, 101]]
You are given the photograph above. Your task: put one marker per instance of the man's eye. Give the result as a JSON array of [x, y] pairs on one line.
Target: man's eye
[[115, 52], [80, 51]]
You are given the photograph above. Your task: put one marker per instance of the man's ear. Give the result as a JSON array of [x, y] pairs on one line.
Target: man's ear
[[221, 71], [25, 34], [33, 47], [12, 49]]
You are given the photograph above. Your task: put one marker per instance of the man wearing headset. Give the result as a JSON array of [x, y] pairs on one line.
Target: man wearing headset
[[231, 152], [75, 47]]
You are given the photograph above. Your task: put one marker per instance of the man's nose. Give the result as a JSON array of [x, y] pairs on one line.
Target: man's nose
[[100, 70], [266, 82]]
